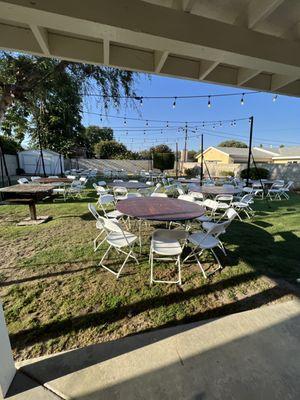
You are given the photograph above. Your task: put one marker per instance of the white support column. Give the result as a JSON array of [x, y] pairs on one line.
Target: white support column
[[7, 365], [206, 67], [42, 38], [106, 51], [159, 60]]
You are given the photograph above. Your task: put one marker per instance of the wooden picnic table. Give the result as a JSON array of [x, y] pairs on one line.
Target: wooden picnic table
[[28, 194], [54, 180], [160, 209]]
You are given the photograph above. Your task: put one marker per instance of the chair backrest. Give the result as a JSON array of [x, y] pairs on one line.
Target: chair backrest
[[230, 213], [196, 195], [133, 180], [224, 197], [247, 189], [180, 191], [227, 186], [53, 176], [154, 194], [93, 211], [120, 190], [157, 187], [217, 229], [71, 177], [101, 183], [118, 180], [211, 204], [133, 195], [83, 179], [34, 178], [106, 199], [23, 181], [248, 198], [95, 186], [186, 197]]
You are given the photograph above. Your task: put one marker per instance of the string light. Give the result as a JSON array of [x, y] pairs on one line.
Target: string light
[[167, 124], [125, 122], [174, 103], [141, 101], [242, 99], [147, 123], [209, 102], [275, 97]]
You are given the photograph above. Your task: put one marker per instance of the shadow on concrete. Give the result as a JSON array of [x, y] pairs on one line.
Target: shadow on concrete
[[261, 365]]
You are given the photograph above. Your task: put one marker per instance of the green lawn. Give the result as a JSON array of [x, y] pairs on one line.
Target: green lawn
[[56, 297]]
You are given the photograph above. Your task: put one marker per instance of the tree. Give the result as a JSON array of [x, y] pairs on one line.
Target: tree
[[160, 148], [108, 149], [145, 155], [94, 134], [281, 146], [43, 96], [192, 155], [163, 161], [233, 143], [10, 146]]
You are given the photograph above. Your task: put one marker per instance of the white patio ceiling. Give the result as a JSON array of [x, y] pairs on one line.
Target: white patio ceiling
[[252, 44]]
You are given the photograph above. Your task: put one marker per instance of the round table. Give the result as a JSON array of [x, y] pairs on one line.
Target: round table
[[128, 185], [215, 190], [160, 209], [54, 180]]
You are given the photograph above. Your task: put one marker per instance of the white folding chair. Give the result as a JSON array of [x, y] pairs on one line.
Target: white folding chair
[[99, 226], [209, 240], [107, 200], [23, 181], [100, 189], [133, 181], [244, 205], [287, 188], [120, 193], [187, 197], [133, 195], [165, 244], [155, 194], [34, 178], [119, 240], [224, 198]]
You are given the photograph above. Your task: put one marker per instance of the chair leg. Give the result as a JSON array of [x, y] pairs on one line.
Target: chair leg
[[217, 259], [123, 265], [179, 270], [104, 255], [151, 267]]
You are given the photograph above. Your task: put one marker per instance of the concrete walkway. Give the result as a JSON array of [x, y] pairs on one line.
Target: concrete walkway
[[245, 356]]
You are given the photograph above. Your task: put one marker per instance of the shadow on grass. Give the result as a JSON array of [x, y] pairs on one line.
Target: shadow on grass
[[55, 329]]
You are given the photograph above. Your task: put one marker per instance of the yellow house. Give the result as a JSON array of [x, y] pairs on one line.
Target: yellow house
[[233, 155], [287, 155]]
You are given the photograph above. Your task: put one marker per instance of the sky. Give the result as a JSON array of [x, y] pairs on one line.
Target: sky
[[275, 122]]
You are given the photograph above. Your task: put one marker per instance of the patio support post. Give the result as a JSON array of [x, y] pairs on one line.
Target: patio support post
[[7, 365], [201, 174], [250, 150]]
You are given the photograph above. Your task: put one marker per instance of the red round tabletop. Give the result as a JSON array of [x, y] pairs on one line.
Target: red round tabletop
[[160, 209]]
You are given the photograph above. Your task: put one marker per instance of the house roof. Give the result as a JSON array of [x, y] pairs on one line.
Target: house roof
[[238, 153], [290, 151]]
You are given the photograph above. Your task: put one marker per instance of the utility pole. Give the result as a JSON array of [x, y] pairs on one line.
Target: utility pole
[[176, 154], [250, 150], [185, 146], [201, 174], [40, 141]]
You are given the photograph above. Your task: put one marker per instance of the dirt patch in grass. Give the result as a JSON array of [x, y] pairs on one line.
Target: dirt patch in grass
[[57, 298]]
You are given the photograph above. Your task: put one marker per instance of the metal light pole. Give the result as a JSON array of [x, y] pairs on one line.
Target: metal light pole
[[250, 150], [201, 173]]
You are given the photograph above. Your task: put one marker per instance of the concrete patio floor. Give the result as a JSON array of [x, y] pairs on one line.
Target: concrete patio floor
[[250, 355]]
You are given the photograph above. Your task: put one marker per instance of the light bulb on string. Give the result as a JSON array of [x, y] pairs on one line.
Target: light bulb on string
[[174, 103], [209, 102], [275, 97], [203, 125], [125, 122], [242, 99], [167, 124], [147, 123], [234, 122], [141, 101], [220, 123]]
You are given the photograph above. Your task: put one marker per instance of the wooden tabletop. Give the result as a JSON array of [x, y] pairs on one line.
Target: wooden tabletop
[[54, 180], [160, 209], [215, 190], [27, 188], [128, 185]]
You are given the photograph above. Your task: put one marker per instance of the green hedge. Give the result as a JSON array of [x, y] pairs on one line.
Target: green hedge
[[256, 173], [163, 161]]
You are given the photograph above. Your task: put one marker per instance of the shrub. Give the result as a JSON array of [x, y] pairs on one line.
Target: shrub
[[163, 161], [226, 173], [192, 172], [256, 173]]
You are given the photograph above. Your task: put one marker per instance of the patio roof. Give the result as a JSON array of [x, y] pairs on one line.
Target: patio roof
[[249, 44]]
